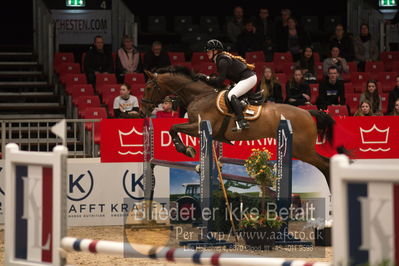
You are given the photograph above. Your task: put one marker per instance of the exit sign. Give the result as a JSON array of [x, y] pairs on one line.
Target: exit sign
[[75, 3], [387, 3]]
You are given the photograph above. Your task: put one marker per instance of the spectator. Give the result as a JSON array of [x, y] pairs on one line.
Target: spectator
[[292, 39], [365, 47], [263, 26], [248, 40], [298, 91], [156, 58], [372, 96], [307, 64], [280, 26], [236, 24], [331, 90], [127, 59], [270, 86], [126, 105], [393, 96], [364, 109], [395, 109], [344, 42], [336, 60], [168, 109], [97, 60]]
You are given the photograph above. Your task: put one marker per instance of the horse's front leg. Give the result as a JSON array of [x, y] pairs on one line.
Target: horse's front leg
[[186, 128]]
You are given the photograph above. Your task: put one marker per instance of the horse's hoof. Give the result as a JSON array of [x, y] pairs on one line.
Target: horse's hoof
[[190, 152]]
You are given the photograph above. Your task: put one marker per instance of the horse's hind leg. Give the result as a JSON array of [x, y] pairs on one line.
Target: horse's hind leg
[[187, 128]]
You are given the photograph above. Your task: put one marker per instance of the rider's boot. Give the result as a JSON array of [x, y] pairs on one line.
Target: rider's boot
[[241, 122]]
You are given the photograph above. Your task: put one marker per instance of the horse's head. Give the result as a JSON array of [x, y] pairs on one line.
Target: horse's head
[[153, 94]]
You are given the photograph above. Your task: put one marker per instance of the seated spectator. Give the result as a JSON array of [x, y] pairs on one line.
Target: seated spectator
[[236, 24], [393, 96], [307, 65], [298, 91], [126, 105], [336, 60], [97, 60], [365, 47], [344, 42], [270, 86], [248, 40], [156, 58], [395, 109], [364, 109], [293, 39], [372, 96], [331, 90], [263, 25], [280, 26], [127, 59], [168, 110]]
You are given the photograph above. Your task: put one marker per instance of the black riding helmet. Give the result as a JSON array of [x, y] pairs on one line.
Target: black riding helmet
[[213, 45]]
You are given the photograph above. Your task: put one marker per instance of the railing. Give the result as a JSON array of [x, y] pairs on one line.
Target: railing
[[36, 135]]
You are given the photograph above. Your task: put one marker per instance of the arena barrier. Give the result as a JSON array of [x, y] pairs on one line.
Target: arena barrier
[[36, 220], [366, 212]]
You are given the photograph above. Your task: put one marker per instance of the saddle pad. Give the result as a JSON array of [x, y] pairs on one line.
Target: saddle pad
[[251, 112]]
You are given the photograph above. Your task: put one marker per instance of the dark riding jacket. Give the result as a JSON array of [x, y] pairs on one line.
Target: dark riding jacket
[[229, 68]]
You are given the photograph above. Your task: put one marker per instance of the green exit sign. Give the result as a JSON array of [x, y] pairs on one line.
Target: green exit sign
[[75, 3], [387, 3]]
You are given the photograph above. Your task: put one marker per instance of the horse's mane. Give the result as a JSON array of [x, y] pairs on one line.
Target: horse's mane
[[177, 69]]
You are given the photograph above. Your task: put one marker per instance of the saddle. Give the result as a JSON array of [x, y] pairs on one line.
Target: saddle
[[252, 104]]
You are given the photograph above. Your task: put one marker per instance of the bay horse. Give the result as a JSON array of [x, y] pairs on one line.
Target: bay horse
[[199, 99]]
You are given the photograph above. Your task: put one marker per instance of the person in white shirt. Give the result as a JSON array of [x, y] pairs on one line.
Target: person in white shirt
[[126, 105]]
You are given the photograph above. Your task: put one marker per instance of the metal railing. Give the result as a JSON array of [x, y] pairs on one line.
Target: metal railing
[[36, 135]]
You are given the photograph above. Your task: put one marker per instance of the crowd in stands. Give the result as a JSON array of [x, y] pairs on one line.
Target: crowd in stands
[[354, 78]]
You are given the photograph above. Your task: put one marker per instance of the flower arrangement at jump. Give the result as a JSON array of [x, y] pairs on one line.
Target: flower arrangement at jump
[[260, 229]]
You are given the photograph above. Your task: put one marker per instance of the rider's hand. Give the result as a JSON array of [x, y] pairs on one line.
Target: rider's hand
[[200, 76]]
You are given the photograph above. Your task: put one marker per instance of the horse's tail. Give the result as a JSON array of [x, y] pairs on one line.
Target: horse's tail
[[325, 127]]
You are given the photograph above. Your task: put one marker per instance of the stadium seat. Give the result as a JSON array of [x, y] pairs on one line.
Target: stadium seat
[[282, 78], [156, 24], [181, 23], [60, 58], [319, 70], [388, 58], [137, 89], [330, 22], [260, 67], [76, 90], [373, 68], [286, 67], [254, 57], [337, 110], [348, 87], [105, 78], [199, 57], [310, 24], [387, 85], [133, 78], [384, 102], [94, 113], [186, 64], [316, 57], [352, 68], [352, 100], [67, 68], [279, 57], [207, 21], [85, 101], [109, 89], [308, 107], [207, 68], [71, 79], [314, 92], [359, 77], [176, 57], [395, 66]]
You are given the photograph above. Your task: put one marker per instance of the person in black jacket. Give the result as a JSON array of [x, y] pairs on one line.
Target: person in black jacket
[[331, 90], [270, 86], [249, 40], [298, 91], [97, 60], [156, 58], [344, 42], [393, 96]]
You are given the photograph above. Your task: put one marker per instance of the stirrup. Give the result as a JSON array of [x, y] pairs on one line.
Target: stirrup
[[240, 125]]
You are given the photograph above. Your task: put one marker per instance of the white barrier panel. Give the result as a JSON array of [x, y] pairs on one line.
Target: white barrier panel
[[364, 198]]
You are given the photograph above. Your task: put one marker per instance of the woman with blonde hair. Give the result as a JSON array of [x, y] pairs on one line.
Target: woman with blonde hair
[[364, 109], [270, 86]]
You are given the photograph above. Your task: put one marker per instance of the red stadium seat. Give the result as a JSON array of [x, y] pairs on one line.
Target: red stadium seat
[[109, 89], [76, 90], [109, 101], [71, 79], [359, 77], [83, 102], [348, 87], [286, 68], [389, 58], [337, 110], [176, 57], [352, 68], [137, 89], [94, 113], [279, 57], [185, 64], [105, 78], [308, 107], [199, 57], [206, 68], [67, 68], [373, 68], [60, 58], [133, 78], [352, 100], [255, 56], [316, 57], [314, 92], [319, 70], [395, 66], [384, 102], [387, 86]]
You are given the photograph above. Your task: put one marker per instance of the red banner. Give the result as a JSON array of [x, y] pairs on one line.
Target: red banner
[[366, 137], [121, 140], [164, 149]]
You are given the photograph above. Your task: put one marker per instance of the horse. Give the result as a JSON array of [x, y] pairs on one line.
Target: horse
[[199, 99]]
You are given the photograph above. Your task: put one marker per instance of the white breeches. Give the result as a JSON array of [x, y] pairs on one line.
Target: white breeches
[[243, 87]]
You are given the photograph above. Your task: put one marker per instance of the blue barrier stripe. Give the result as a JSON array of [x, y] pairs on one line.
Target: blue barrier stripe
[[76, 245], [197, 257], [287, 263]]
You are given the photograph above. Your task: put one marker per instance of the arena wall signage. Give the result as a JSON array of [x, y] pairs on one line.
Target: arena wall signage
[[80, 26]]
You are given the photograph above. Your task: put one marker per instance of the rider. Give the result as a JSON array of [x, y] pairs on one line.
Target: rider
[[236, 69]]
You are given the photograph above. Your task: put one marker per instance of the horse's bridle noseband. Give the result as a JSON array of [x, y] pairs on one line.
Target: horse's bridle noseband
[[156, 88]]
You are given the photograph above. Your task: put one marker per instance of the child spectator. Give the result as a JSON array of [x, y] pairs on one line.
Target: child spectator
[[372, 96], [393, 95], [270, 86], [396, 108], [97, 60], [168, 110], [126, 105], [127, 59], [298, 91], [331, 90], [364, 109]]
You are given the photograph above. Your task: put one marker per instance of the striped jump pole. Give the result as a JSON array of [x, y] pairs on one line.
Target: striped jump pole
[[177, 255]]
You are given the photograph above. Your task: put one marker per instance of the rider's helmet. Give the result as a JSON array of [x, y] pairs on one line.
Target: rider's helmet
[[213, 45]]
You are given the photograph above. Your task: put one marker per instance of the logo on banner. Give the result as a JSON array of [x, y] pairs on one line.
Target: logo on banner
[[127, 139], [133, 185], [80, 187], [375, 137]]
